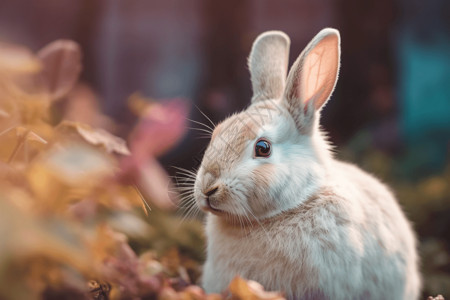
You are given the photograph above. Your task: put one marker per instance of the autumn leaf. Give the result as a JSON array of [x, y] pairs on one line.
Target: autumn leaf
[[61, 67], [95, 136], [20, 143], [98, 290], [120, 265], [241, 289], [67, 172]]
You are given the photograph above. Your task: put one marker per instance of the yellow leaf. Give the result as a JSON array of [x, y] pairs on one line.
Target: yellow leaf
[[20, 144], [139, 104], [68, 172], [33, 110], [29, 135], [134, 196]]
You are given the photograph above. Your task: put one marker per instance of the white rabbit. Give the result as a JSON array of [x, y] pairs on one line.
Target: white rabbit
[[282, 210]]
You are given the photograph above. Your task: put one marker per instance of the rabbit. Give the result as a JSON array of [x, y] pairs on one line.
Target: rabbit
[[281, 210]]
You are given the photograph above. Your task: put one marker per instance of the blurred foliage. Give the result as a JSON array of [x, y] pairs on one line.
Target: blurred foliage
[[72, 194]]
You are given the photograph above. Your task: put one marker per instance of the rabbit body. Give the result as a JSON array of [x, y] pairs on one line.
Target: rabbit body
[[281, 210], [348, 241]]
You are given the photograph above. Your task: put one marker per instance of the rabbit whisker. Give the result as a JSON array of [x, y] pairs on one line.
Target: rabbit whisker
[[202, 124], [212, 123]]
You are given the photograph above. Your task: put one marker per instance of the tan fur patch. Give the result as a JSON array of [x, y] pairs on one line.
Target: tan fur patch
[[216, 131], [263, 175], [228, 141], [214, 169], [249, 130], [266, 105]]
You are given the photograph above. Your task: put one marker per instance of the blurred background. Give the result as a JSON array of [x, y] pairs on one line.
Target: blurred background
[[390, 112]]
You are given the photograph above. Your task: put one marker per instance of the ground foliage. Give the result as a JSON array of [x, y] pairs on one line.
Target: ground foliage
[[83, 213]]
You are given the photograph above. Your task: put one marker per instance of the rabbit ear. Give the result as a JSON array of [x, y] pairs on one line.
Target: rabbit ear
[[268, 63], [313, 77]]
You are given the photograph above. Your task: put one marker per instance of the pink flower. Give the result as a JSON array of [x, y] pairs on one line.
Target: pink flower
[[161, 127]]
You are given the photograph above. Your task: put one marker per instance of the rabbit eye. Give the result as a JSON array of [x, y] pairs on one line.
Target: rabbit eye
[[262, 148]]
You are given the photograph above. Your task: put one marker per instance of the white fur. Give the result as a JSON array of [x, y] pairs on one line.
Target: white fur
[[268, 64], [300, 221]]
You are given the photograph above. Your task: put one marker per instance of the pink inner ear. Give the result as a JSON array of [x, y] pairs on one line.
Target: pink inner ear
[[319, 71]]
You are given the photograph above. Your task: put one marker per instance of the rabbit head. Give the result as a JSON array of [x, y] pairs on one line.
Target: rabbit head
[[271, 157]]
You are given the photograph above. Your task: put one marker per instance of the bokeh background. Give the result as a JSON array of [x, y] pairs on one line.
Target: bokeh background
[[390, 112]]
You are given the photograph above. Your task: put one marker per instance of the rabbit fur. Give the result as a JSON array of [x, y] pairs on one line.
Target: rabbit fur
[[298, 221]]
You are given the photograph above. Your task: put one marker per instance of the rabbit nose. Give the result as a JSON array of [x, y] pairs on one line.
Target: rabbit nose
[[211, 191]]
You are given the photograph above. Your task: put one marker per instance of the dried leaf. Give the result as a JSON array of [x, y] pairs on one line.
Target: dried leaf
[[98, 290], [29, 135], [20, 144], [250, 290], [120, 265], [96, 136], [61, 61], [69, 172], [76, 164], [102, 137]]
